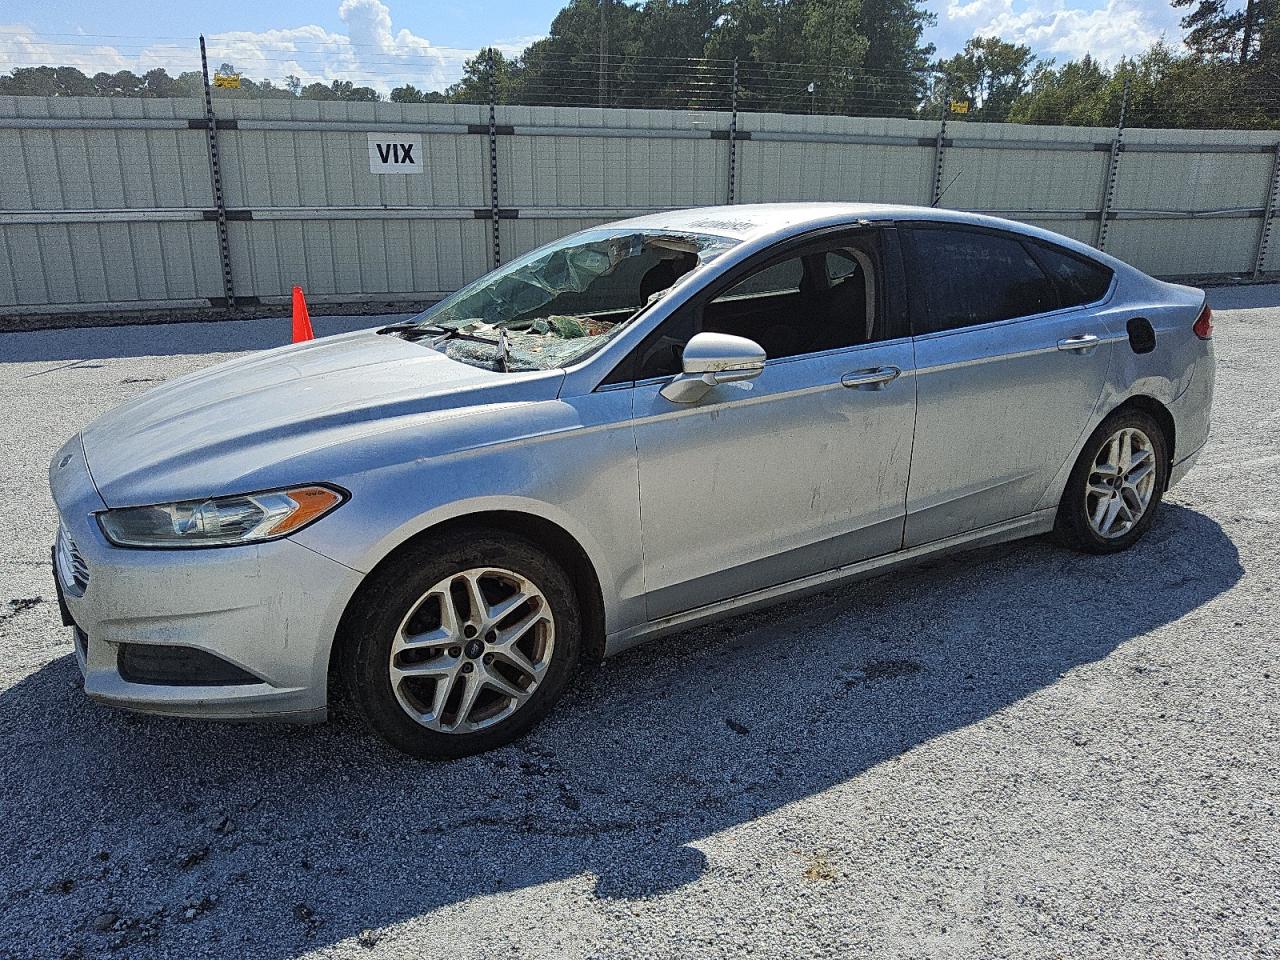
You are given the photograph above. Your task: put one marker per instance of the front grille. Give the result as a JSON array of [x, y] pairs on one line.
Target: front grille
[[174, 666], [73, 567]]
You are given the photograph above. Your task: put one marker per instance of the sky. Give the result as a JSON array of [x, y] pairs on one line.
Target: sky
[[382, 43]]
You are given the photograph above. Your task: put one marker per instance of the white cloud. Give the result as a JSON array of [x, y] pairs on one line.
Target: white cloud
[[369, 53], [22, 47], [1052, 28]]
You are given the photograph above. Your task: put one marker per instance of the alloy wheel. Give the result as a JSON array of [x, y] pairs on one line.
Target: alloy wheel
[[1121, 482], [472, 650]]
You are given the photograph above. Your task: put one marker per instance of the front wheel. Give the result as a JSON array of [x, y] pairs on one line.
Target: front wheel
[[1115, 488], [460, 645]]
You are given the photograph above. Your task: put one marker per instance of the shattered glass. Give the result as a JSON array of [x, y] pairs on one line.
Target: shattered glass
[[559, 303]]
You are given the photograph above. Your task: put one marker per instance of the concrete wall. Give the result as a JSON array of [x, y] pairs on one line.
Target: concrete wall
[[106, 205]]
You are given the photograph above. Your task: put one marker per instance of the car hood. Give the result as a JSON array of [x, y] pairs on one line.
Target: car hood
[[215, 431]]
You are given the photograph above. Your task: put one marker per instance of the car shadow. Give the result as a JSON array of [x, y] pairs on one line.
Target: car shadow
[[276, 841]]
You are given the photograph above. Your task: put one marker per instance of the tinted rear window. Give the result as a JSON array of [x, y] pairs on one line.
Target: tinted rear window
[[1079, 279], [972, 277]]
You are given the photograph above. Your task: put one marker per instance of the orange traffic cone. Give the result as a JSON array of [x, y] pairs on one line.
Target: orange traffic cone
[[301, 319]]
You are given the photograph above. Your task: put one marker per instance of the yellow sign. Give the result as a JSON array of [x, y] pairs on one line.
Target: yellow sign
[[231, 81], [959, 106]]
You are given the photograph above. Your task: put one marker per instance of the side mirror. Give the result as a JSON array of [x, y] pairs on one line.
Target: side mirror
[[712, 358]]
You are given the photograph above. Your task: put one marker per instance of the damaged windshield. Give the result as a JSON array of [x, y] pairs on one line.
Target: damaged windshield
[[557, 304]]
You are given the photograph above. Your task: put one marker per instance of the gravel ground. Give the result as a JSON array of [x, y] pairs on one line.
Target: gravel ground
[[1015, 752]]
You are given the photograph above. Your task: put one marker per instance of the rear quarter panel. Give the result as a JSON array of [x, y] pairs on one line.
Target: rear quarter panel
[[1178, 372]]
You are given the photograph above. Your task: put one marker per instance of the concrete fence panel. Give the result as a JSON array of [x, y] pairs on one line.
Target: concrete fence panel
[[835, 158], [107, 206]]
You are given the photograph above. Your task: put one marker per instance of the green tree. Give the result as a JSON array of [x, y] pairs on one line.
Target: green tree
[[317, 91], [862, 56], [659, 59], [122, 83], [267, 90], [1166, 89], [990, 74], [47, 82], [1080, 92], [190, 84], [339, 90], [1214, 29], [784, 46], [476, 71], [896, 61], [158, 83], [411, 94], [564, 67]]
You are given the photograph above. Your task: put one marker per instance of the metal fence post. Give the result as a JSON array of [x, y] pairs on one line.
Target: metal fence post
[[733, 133], [1113, 172], [215, 172], [604, 51], [1268, 217], [493, 163], [939, 145]]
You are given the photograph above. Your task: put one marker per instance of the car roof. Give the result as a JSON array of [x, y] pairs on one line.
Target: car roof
[[753, 219], [756, 221]]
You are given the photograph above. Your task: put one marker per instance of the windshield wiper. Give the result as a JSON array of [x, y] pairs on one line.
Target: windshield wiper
[[457, 333], [503, 348], [412, 331], [448, 334]]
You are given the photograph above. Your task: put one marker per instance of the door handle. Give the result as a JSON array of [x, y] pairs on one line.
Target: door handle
[[1078, 344], [872, 379]]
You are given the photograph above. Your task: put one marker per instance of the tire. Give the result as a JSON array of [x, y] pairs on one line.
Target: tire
[[1083, 512], [517, 676]]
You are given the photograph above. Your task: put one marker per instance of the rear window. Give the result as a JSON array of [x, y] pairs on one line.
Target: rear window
[[1079, 279]]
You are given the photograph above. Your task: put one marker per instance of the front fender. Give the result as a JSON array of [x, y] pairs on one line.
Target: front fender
[[573, 465]]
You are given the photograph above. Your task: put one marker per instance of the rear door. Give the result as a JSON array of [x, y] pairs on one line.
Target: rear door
[[1011, 358]]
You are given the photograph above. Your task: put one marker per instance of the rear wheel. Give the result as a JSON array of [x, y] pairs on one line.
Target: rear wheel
[[461, 644], [1115, 487]]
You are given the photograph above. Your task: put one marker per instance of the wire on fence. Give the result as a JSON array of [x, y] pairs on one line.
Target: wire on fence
[[366, 72]]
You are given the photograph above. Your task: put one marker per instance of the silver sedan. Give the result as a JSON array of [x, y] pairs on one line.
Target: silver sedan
[[628, 431]]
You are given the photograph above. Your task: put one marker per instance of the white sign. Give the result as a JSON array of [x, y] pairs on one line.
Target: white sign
[[395, 153]]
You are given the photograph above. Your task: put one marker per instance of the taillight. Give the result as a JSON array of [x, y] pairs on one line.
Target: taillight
[[1203, 327]]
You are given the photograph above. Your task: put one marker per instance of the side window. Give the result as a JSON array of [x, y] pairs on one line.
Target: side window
[[821, 297], [1079, 279], [778, 280], [971, 277], [840, 264]]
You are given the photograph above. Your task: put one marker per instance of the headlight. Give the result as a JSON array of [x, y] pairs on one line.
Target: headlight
[[220, 521]]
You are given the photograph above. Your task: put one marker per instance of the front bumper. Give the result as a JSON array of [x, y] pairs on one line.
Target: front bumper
[[269, 610]]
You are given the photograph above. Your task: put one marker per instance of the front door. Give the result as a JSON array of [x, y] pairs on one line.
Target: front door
[[798, 471]]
